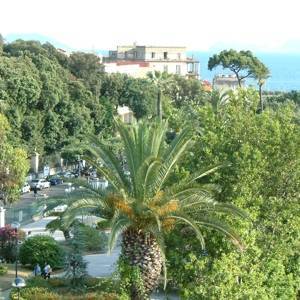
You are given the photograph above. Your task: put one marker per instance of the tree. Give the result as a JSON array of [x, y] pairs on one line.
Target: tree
[[13, 165], [261, 74], [8, 237], [161, 80], [75, 266], [87, 66], [41, 249], [264, 153], [1, 43], [141, 205], [243, 63]]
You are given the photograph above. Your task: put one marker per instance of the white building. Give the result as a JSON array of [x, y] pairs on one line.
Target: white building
[[226, 82], [137, 61], [125, 114]]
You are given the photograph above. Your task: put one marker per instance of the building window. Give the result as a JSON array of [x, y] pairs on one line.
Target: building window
[[165, 55], [152, 54], [178, 55], [190, 68], [165, 68], [178, 69]]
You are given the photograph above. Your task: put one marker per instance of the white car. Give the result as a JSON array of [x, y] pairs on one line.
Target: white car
[[39, 184], [26, 188]]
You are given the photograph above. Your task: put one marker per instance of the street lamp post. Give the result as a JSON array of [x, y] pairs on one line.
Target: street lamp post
[[16, 226], [19, 282]]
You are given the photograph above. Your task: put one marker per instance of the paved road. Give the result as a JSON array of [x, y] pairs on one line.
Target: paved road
[[103, 264]]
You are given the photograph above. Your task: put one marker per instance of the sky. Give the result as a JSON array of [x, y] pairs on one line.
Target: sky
[[257, 25]]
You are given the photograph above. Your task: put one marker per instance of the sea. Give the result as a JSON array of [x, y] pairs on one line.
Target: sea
[[284, 69]]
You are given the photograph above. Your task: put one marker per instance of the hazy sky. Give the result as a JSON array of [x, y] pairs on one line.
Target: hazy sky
[[259, 25]]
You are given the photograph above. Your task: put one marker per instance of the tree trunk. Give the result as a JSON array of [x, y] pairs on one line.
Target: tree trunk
[[159, 105], [141, 250], [66, 233], [260, 98]]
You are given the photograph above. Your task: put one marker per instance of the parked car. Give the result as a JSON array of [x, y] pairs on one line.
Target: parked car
[[67, 174], [39, 184], [26, 188], [56, 181]]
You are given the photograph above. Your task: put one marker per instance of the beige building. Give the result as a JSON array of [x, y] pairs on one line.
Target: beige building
[[226, 82], [137, 61], [125, 114]]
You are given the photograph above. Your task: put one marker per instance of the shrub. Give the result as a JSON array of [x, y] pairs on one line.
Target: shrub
[[57, 282], [101, 284], [8, 243], [37, 281], [41, 249], [93, 239], [34, 293], [3, 270]]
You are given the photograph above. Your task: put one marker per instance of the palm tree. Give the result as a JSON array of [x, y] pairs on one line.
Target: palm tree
[[161, 80], [261, 74], [50, 204], [142, 206]]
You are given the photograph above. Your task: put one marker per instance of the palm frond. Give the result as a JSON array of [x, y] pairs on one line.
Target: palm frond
[[118, 225], [170, 158], [101, 151], [221, 227], [189, 221], [203, 173]]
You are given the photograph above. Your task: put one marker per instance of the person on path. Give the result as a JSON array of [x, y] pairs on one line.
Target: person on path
[[37, 270], [35, 191], [47, 271]]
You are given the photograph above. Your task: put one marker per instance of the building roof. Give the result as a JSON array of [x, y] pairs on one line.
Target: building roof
[[149, 46], [123, 110], [226, 79]]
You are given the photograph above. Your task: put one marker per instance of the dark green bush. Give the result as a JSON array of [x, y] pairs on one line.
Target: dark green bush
[[42, 249], [101, 285], [93, 239], [3, 270]]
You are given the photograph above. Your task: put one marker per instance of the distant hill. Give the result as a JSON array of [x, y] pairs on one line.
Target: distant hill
[[44, 39]]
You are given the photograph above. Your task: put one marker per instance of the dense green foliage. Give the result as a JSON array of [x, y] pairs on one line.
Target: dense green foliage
[[13, 164], [41, 250], [53, 101], [242, 63], [93, 239], [143, 206], [263, 178]]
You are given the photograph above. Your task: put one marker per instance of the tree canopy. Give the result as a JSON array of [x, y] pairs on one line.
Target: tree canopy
[[243, 64]]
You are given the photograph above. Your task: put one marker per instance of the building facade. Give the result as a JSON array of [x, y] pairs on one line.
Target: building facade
[[226, 82], [137, 61]]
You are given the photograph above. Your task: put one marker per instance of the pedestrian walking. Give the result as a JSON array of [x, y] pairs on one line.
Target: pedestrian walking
[[47, 271], [35, 191], [37, 270]]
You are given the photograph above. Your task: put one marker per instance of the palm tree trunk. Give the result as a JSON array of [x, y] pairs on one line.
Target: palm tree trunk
[[141, 250], [66, 234], [260, 98], [159, 105]]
